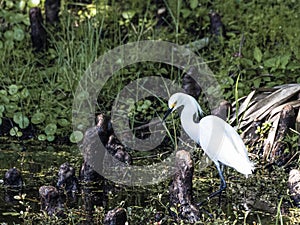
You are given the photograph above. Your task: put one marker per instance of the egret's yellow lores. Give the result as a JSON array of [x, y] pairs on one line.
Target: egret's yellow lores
[[221, 143]]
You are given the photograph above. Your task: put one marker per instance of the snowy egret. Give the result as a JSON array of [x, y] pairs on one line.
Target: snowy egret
[[220, 142]]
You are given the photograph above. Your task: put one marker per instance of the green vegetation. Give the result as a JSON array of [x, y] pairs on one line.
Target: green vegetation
[[261, 48]]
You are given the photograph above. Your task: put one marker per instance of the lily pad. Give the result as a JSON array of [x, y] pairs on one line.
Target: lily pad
[[50, 138], [18, 34], [13, 89], [50, 129], [63, 122], [21, 120], [9, 44], [2, 108], [38, 118], [4, 99], [76, 136], [25, 93], [42, 137], [3, 92], [9, 35], [11, 107], [14, 131]]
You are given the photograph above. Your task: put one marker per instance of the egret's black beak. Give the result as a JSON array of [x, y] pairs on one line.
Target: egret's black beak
[[167, 113]]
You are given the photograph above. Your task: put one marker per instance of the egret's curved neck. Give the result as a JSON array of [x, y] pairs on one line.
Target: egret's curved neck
[[188, 123]]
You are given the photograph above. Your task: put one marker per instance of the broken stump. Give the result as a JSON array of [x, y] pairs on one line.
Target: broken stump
[[38, 33], [52, 8], [189, 85], [287, 120], [223, 111], [13, 178], [116, 216], [294, 186], [181, 189], [50, 200], [13, 184], [67, 180]]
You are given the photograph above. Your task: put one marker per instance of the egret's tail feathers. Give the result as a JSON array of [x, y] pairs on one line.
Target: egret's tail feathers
[[246, 168], [240, 163]]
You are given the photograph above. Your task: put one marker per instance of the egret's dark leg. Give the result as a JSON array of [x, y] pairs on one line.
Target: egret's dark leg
[[222, 170], [221, 166], [223, 182], [222, 185]]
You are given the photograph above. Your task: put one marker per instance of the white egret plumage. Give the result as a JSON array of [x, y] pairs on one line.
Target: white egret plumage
[[220, 142]]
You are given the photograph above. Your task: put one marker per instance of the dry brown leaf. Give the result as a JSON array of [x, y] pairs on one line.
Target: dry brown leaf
[[278, 109], [243, 106], [269, 142], [263, 107]]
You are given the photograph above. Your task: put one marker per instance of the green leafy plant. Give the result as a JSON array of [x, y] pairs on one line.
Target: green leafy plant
[[264, 129], [14, 22], [39, 89]]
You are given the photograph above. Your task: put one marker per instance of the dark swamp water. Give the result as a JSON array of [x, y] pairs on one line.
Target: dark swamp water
[[38, 166], [261, 199]]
